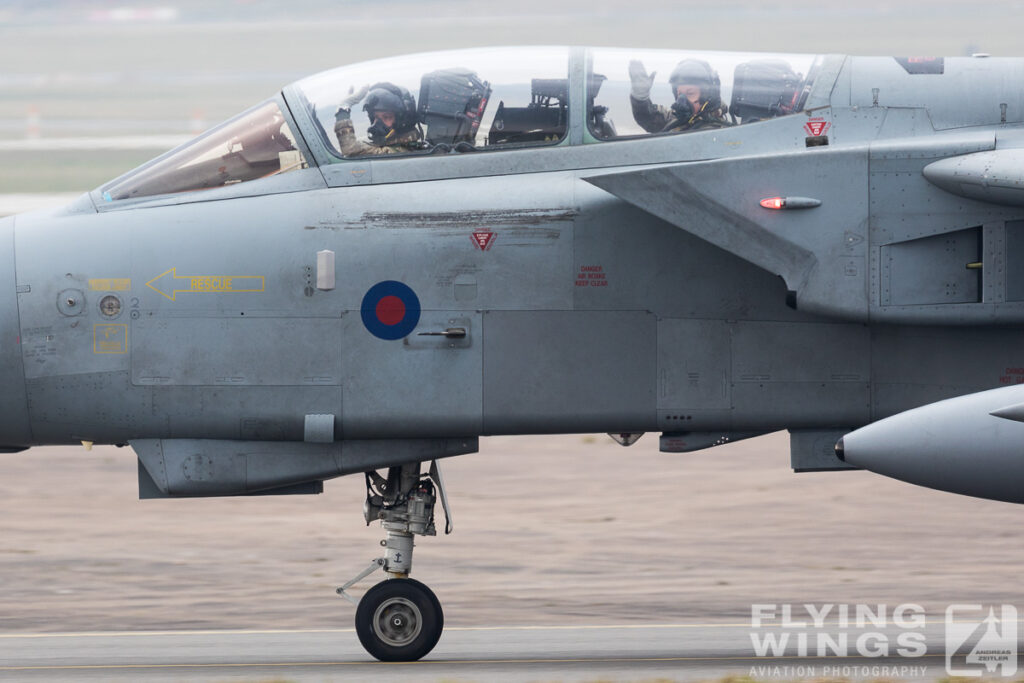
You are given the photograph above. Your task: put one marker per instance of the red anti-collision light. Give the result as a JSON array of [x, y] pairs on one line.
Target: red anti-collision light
[[790, 203]]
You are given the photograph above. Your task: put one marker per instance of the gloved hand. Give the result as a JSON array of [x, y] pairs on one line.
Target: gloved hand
[[639, 80], [354, 98]]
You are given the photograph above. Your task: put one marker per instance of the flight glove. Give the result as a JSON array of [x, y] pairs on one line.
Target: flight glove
[[639, 80], [354, 98]]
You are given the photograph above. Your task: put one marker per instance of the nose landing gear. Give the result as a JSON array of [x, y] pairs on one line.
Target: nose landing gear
[[400, 619]]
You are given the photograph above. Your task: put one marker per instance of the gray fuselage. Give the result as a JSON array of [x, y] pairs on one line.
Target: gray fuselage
[[590, 301]]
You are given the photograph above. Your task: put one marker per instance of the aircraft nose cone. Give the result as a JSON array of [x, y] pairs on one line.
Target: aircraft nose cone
[[14, 427]]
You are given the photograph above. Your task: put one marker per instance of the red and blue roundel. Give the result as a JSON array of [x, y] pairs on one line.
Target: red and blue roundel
[[390, 310]]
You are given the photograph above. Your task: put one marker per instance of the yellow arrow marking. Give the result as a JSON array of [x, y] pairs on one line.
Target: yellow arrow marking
[[170, 284]]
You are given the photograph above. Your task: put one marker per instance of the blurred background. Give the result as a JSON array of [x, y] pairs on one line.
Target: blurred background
[[90, 89]]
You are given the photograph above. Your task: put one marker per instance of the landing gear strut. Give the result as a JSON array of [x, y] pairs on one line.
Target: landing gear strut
[[400, 619]]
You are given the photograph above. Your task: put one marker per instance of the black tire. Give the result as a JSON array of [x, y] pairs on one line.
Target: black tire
[[399, 620]]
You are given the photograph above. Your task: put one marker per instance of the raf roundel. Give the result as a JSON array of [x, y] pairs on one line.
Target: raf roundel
[[390, 310]]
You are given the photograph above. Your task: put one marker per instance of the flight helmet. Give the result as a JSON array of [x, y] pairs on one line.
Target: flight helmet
[[394, 98], [697, 72]]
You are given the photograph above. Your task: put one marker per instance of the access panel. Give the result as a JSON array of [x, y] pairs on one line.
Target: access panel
[[939, 269], [569, 371]]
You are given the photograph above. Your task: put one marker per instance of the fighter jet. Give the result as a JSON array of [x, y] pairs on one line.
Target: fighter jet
[[382, 263]]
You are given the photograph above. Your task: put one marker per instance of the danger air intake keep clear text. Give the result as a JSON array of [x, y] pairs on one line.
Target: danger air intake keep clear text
[[591, 276]]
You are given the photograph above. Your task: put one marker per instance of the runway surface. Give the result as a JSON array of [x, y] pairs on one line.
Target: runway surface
[[692, 651], [243, 589]]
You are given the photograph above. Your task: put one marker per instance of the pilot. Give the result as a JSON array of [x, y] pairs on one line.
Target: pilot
[[392, 113], [695, 89]]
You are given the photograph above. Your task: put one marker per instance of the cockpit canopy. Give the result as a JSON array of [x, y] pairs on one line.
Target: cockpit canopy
[[743, 88], [479, 101], [470, 99]]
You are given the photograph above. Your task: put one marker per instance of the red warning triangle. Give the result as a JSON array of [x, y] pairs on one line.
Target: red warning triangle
[[483, 239], [816, 127]]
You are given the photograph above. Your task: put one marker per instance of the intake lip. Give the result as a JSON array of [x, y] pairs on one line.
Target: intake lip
[[14, 421]]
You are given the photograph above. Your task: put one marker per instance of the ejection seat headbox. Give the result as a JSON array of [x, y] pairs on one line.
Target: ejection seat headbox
[[764, 88], [544, 119], [597, 115], [452, 103]]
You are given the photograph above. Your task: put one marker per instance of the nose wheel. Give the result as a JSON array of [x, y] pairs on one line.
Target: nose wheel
[[399, 620]]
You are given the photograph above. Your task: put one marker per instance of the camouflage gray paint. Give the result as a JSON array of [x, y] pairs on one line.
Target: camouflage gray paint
[[688, 330], [624, 286]]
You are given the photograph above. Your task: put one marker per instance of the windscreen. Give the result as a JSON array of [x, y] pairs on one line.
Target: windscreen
[[647, 92], [255, 144]]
